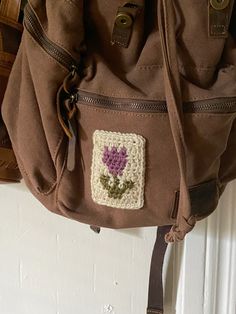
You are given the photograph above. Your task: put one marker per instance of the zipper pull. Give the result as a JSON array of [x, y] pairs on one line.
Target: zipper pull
[[67, 98], [72, 125], [72, 145]]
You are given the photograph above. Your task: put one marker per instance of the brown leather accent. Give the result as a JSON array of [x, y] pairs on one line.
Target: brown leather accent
[[10, 9], [219, 20], [121, 34], [204, 198], [155, 293]]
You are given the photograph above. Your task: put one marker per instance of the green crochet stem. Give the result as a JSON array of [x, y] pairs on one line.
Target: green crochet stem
[[114, 191]]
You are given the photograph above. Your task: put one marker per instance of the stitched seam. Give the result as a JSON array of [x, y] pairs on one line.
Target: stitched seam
[[183, 67], [121, 95], [212, 115]]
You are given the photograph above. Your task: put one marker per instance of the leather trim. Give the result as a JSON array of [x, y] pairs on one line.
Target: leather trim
[[204, 199], [219, 21]]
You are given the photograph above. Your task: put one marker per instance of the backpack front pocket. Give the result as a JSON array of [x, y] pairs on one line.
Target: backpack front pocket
[[129, 169]]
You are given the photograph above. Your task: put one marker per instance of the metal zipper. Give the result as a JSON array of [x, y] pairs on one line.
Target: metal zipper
[[34, 27], [219, 105]]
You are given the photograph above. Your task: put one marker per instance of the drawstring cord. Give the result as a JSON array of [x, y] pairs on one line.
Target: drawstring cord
[[184, 222]]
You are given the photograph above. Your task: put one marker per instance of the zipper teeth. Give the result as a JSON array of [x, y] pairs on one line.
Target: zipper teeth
[[35, 29], [159, 107], [62, 56], [217, 107]]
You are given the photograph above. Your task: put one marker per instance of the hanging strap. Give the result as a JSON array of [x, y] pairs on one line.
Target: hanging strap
[[10, 9], [155, 293]]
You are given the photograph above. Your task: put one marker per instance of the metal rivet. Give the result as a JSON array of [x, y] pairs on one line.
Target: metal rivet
[[123, 20], [219, 4]]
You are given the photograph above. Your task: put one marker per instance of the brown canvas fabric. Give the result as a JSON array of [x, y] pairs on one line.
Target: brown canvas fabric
[[10, 35], [170, 79]]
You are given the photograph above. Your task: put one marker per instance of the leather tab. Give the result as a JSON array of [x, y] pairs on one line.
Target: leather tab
[[219, 18], [10, 9], [204, 199], [123, 24]]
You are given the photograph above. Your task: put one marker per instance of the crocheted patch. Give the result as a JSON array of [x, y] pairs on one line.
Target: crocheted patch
[[118, 169]]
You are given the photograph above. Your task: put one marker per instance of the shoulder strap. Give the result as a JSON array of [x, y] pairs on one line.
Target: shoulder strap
[[10, 9], [155, 294]]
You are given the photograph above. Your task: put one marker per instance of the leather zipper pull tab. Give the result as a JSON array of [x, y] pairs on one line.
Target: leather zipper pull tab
[[219, 17], [72, 145], [72, 125], [123, 24]]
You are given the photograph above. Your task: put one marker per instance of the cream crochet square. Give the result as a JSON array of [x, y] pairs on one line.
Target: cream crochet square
[[118, 169]]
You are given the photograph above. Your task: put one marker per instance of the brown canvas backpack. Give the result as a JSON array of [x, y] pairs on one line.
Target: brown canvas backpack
[[122, 114], [10, 35]]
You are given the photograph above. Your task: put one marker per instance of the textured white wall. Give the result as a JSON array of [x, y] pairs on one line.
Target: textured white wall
[[53, 265]]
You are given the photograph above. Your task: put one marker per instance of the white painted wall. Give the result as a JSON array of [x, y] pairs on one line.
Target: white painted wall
[[52, 265]]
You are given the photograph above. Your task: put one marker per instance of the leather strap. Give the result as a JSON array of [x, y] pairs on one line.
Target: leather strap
[[155, 294], [10, 9]]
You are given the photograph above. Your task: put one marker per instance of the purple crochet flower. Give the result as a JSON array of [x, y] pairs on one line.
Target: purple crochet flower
[[115, 160]]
